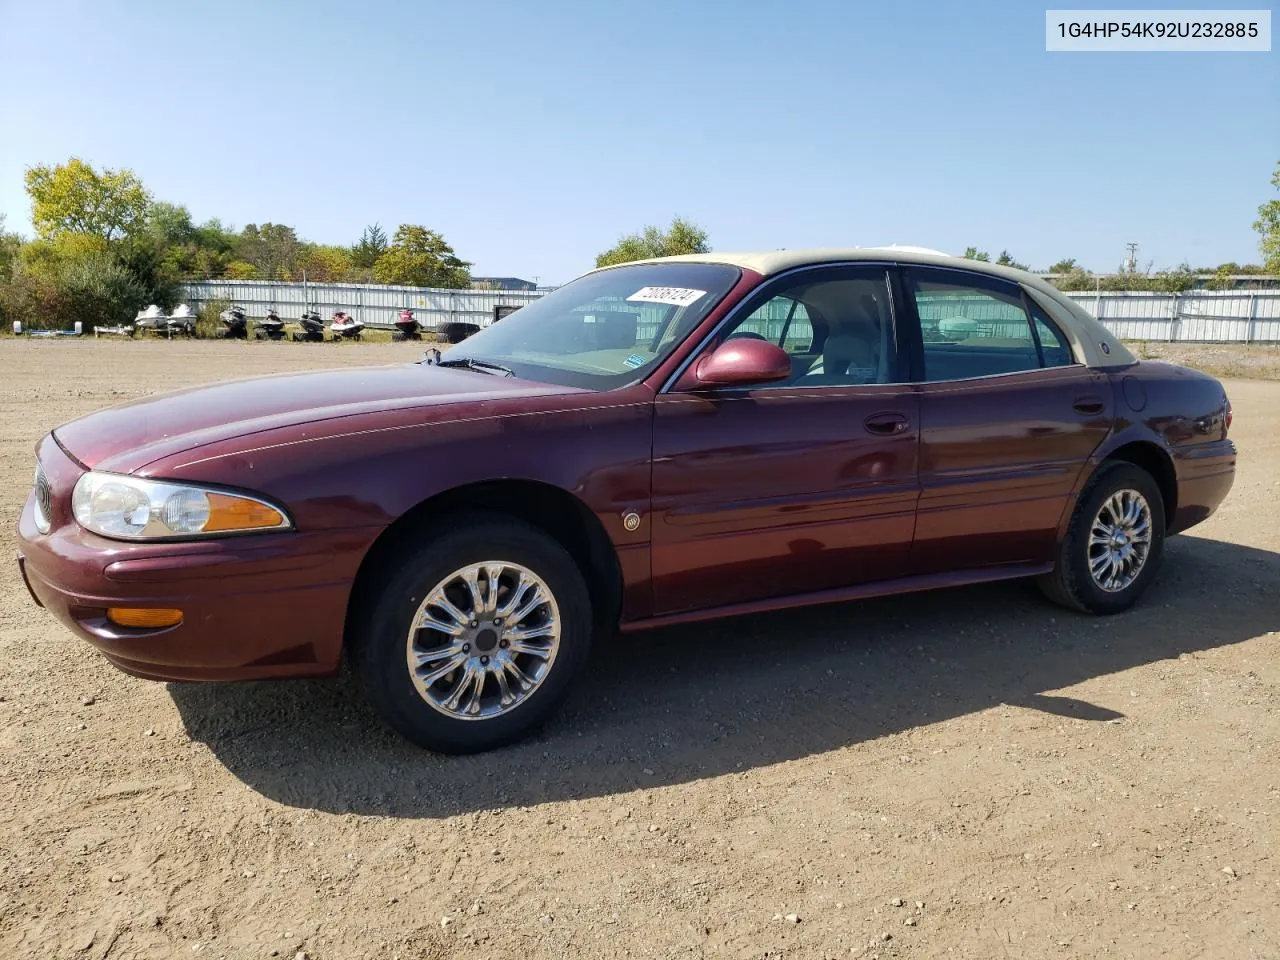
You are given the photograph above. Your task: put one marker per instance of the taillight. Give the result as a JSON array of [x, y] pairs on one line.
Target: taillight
[[1226, 420]]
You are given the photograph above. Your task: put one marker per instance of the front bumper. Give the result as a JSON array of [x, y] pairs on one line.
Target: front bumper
[[254, 607]]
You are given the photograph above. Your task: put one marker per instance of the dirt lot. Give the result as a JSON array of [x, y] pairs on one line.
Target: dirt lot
[[970, 773], [1260, 362]]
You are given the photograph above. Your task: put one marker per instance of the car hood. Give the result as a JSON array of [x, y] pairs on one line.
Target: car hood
[[127, 437]]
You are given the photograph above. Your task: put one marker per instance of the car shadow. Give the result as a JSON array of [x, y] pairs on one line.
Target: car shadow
[[684, 703]]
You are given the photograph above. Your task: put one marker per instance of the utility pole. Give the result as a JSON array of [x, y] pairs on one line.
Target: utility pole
[[1131, 258]]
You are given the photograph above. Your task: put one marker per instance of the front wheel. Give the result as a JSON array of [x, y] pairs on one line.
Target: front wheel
[[473, 639], [1113, 544]]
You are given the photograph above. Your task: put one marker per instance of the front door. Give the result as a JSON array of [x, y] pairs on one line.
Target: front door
[[792, 487], [1008, 420]]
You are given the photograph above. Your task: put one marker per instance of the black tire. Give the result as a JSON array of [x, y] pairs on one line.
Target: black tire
[[456, 331], [1071, 584], [380, 630]]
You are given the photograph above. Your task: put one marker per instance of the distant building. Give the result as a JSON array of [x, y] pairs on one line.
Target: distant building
[[502, 283]]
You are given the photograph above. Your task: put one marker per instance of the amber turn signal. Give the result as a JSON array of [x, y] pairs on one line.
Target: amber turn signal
[[143, 616], [237, 513]]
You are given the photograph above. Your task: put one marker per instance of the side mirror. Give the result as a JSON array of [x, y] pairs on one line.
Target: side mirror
[[742, 362]]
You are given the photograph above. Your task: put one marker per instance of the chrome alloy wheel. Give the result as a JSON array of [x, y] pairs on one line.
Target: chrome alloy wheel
[[1120, 540], [483, 640]]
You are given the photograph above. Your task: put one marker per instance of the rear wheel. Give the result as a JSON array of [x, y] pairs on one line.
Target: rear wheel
[[1113, 544], [473, 640]]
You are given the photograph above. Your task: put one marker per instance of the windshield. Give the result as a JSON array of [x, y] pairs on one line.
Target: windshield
[[604, 330]]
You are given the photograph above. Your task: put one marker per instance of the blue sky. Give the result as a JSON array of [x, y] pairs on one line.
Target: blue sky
[[534, 134]]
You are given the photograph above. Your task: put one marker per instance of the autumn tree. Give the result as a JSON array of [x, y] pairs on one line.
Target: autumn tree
[[683, 236], [325, 264], [1268, 227], [420, 257], [240, 270], [95, 257], [72, 197]]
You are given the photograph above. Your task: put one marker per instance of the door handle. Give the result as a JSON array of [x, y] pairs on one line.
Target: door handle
[[1088, 405], [886, 424]]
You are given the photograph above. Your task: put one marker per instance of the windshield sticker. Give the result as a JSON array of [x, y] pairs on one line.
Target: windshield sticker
[[636, 360], [676, 296]]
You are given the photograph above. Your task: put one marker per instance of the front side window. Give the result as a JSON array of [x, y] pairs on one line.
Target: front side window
[[979, 328], [603, 330], [836, 324], [783, 321]]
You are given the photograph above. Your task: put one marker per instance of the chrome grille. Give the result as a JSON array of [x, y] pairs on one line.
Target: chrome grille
[[44, 502]]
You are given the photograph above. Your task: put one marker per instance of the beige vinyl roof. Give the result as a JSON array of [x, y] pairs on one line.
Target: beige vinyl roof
[[1092, 343]]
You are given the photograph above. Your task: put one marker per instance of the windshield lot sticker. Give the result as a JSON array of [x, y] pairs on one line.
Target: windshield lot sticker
[[635, 360], [676, 296]]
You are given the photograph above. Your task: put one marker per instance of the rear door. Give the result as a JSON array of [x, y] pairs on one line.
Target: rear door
[[1008, 420]]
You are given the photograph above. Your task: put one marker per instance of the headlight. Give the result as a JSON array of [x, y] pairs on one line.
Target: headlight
[[130, 508]]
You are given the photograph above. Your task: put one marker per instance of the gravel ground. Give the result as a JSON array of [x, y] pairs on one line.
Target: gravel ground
[[970, 773], [1260, 362]]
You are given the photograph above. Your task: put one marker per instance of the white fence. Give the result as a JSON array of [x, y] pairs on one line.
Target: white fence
[[1196, 316], [1204, 316], [376, 305]]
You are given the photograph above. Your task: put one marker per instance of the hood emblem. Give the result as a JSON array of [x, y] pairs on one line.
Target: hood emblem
[[631, 520]]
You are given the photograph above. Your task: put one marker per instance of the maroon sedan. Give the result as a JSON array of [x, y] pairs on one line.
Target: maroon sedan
[[654, 443]]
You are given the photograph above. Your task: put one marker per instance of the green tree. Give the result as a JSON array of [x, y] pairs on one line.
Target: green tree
[[421, 258], [973, 253], [1181, 277], [1077, 278], [683, 236], [1268, 227], [1064, 266], [10, 246], [1006, 260], [99, 289], [1221, 279], [371, 245], [170, 223], [209, 250], [272, 248], [72, 197]]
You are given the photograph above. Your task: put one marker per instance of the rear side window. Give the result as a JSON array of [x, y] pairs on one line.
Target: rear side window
[[1053, 345], [979, 328]]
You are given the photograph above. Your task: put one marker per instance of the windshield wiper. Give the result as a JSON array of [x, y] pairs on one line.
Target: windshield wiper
[[471, 363]]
